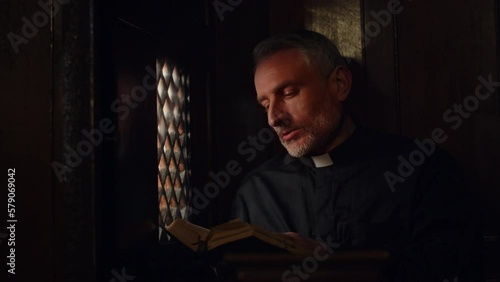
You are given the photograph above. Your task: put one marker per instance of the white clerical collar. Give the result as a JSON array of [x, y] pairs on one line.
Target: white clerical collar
[[322, 160]]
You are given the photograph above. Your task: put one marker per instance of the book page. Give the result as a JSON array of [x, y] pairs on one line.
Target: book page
[[198, 238], [236, 230], [189, 234]]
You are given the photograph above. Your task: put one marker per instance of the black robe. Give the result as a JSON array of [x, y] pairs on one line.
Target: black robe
[[426, 219]]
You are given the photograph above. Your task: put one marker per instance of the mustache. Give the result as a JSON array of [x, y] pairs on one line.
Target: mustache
[[283, 129], [280, 129]]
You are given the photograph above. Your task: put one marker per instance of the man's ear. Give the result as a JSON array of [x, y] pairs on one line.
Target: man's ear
[[340, 81]]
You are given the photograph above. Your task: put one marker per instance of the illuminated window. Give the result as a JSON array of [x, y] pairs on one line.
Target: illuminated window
[[173, 135]]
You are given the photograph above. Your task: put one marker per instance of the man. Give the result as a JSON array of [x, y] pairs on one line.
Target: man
[[339, 181]]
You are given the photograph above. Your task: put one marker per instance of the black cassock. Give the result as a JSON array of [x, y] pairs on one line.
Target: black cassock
[[382, 192]]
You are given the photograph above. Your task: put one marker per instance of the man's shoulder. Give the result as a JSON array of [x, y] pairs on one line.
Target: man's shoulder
[[271, 175], [371, 145], [424, 153], [280, 162], [384, 140], [367, 143]]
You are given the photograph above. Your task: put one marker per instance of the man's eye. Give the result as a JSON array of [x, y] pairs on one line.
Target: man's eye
[[265, 107], [290, 93]]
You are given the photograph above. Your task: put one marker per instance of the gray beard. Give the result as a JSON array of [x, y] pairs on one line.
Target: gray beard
[[323, 132]]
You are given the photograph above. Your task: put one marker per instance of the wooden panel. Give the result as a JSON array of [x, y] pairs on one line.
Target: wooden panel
[[343, 266], [441, 59], [378, 101], [135, 174], [131, 38], [370, 54], [339, 20], [73, 87], [235, 113], [25, 141], [294, 19]]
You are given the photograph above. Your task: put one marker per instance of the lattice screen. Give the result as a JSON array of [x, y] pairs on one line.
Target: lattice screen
[[172, 141]]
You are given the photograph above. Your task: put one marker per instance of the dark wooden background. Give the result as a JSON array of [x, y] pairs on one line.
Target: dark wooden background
[[427, 58]]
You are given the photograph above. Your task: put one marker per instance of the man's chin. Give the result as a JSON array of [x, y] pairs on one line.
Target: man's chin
[[295, 150]]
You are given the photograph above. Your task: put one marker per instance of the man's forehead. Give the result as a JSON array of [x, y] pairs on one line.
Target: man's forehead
[[279, 69]]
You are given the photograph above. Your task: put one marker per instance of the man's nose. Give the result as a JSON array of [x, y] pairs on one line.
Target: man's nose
[[276, 114]]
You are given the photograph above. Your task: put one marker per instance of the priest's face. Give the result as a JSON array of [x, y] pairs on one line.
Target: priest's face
[[303, 107]]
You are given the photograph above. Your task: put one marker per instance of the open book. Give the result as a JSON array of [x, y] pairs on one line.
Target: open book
[[198, 238]]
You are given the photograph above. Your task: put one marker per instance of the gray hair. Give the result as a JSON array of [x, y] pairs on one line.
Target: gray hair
[[320, 52]]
